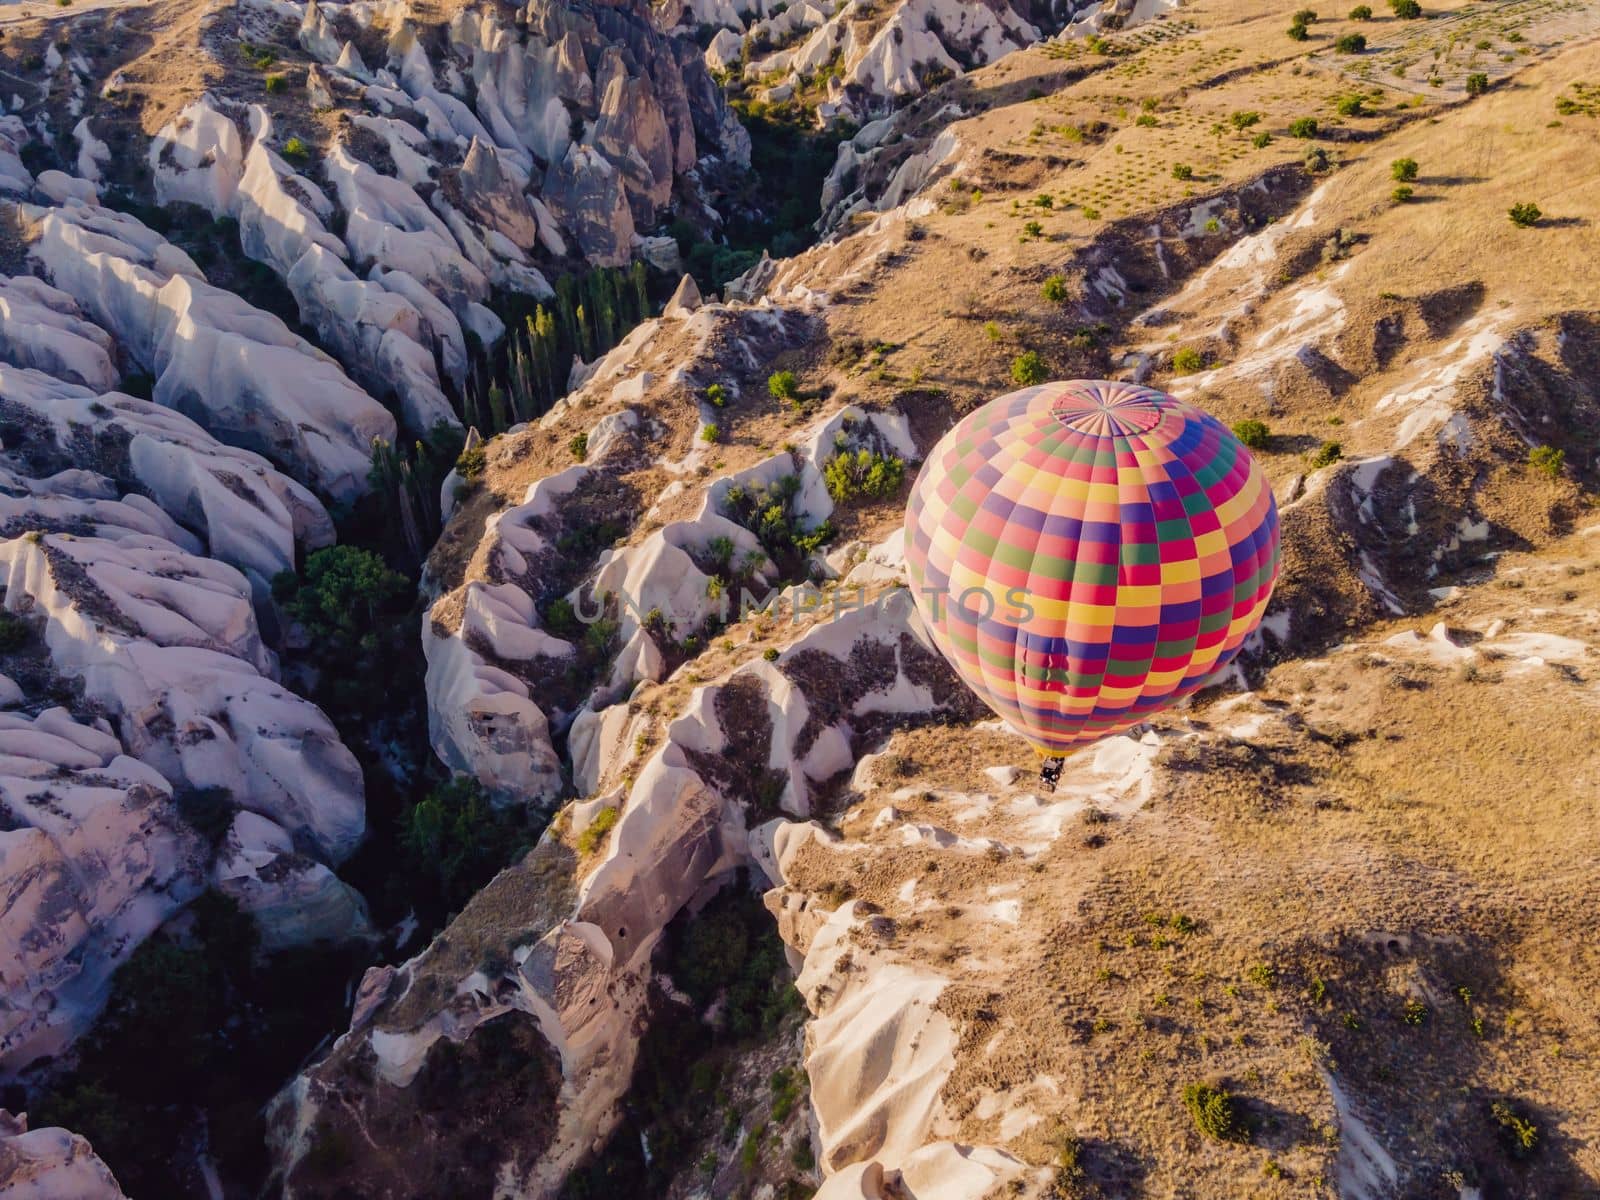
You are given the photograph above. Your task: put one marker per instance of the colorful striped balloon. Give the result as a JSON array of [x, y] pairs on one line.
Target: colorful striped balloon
[[1087, 553]]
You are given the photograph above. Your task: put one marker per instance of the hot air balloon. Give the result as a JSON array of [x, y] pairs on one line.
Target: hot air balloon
[[1088, 553]]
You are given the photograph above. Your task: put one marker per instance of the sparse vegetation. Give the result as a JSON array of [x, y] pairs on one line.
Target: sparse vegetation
[[784, 386], [1327, 454], [471, 463], [1520, 1135], [1214, 1112], [1548, 461], [595, 832], [1525, 215], [276, 84], [1028, 369], [1253, 434], [863, 474]]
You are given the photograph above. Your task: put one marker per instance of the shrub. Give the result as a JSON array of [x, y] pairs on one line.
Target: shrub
[[1361, 12], [1298, 33], [1044, 200], [1520, 1135], [594, 833], [1145, 121], [1028, 369], [1350, 43], [1187, 361], [1303, 127], [1032, 230], [276, 84], [1055, 289], [1350, 106], [579, 445], [716, 395], [296, 148], [1214, 1112], [782, 385], [1477, 83], [992, 331], [1402, 193], [770, 654], [1182, 171], [1316, 160], [1306, 16], [1525, 215], [1327, 454], [1547, 460], [710, 433], [471, 463], [863, 473], [1261, 140], [1403, 170], [1253, 434], [1243, 120], [1415, 1012], [1406, 10]]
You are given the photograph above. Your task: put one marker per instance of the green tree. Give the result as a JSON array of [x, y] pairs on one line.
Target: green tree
[[456, 841], [1403, 170], [1525, 215]]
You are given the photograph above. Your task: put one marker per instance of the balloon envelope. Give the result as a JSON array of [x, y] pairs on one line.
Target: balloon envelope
[[1088, 553]]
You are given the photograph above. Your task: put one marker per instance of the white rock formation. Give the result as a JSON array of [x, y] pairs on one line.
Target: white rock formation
[[44, 328], [50, 1164], [238, 371], [169, 641], [295, 900], [94, 857], [246, 513]]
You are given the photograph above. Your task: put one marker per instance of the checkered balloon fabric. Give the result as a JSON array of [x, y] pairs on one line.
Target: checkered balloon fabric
[[1088, 553]]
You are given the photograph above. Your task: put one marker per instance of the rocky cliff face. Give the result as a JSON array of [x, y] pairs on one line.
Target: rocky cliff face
[[137, 551]]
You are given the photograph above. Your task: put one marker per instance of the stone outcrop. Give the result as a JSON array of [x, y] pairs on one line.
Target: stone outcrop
[[50, 1164]]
